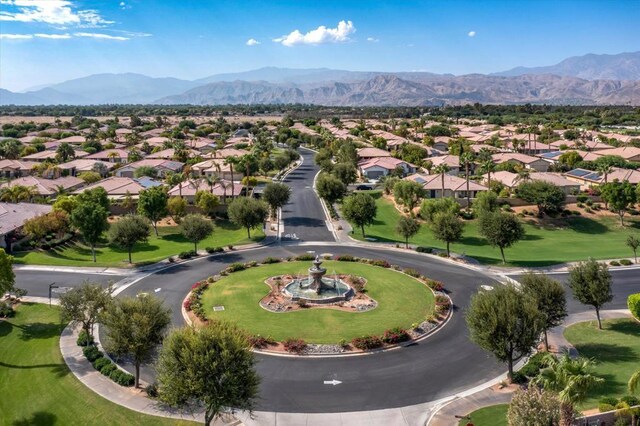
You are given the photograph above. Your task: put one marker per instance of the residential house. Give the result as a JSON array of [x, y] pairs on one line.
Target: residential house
[[11, 169], [119, 187], [379, 167], [224, 189], [523, 160], [115, 155], [512, 180], [629, 153], [451, 161], [161, 166], [47, 187], [370, 152], [13, 216], [168, 154], [454, 186], [218, 167], [51, 155], [77, 166], [587, 178]]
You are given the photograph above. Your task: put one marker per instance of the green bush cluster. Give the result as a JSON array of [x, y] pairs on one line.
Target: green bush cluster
[[122, 378], [236, 267], [269, 260], [187, 254], [84, 339], [530, 369], [633, 301], [6, 310], [92, 353], [296, 346], [365, 343], [421, 249], [212, 250]]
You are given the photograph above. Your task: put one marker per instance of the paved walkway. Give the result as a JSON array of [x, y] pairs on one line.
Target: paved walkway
[[126, 397]]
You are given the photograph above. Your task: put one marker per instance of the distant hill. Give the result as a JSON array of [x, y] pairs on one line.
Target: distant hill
[[589, 79], [623, 66], [389, 89]]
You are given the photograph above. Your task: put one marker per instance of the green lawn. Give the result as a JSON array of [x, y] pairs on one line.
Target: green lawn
[[578, 240], [402, 301], [616, 350], [38, 388], [493, 415], [169, 242]]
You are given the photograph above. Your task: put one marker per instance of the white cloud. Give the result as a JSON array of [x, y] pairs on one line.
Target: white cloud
[[124, 6], [53, 12], [53, 36], [16, 36], [320, 35], [252, 42], [372, 39], [472, 34], [101, 36]]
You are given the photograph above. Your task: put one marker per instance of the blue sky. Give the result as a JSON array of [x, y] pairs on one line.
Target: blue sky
[[49, 41]]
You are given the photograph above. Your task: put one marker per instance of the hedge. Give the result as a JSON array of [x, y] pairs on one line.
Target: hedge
[[634, 305]]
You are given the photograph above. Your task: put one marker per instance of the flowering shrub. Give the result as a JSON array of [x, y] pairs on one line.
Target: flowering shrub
[[367, 342], [187, 304], [259, 342], [296, 346], [442, 300], [235, 267], [435, 285], [395, 335], [412, 272]]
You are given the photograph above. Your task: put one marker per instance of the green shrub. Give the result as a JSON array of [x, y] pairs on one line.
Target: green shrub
[[346, 258], [99, 363], [108, 369], [421, 249], [306, 256], [605, 407], [212, 250], [608, 400], [6, 310], [630, 400], [152, 390], [582, 198], [92, 353], [296, 346], [122, 378], [634, 305], [395, 335], [269, 260], [236, 267], [625, 262], [579, 205], [614, 263], [84, 339], [187, 254], [412, 272]]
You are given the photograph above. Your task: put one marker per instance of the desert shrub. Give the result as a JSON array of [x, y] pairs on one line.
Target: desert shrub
[[582, 198], [230, 246], [589, 202], [302, 303], [614, 263], [412, 272], [442, 300], [625, 262], [92, 353], [579, 205], [269, 260], [6, 310], [395, 335], [357, 283], [305, 256], [346, 258], [84, 339], [296, 346], [122, 378], [588, 210], [421, 249], [367, 342], [633, 301], [235, 267], [608, 400], [435, 285], [251, 264], [152, 390], [379, 262]]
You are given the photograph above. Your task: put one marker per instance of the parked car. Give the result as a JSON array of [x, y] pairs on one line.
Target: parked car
[[364, 188]]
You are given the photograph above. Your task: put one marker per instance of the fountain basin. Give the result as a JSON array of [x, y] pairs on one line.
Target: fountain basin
[[333, 290]]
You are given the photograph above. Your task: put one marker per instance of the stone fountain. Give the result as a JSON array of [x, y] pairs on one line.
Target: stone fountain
[[316, 288]]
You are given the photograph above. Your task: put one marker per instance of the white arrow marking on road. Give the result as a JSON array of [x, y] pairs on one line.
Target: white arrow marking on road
[[332, 382], [157, 290]]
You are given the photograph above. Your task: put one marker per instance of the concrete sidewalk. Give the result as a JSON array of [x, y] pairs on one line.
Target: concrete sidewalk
[[127, 397], [446, 416]]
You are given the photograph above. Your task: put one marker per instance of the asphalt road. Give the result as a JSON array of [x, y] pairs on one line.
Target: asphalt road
[[37, 282], [303, 217]]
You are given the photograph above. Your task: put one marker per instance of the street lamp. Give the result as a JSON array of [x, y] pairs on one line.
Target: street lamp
[[51, 286]]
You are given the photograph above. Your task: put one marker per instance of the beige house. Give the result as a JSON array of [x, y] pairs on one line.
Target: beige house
[[454, 186], [46, 187], [524, 160], [11, 169]]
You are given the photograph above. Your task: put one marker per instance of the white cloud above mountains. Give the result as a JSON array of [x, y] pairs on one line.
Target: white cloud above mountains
[[320, 35], [252, 42], [53, 12]]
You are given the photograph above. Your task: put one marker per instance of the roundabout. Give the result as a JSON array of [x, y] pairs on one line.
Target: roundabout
[[401, 302]]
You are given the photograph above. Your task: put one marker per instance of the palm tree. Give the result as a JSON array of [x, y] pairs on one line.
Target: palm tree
[[570, 379], [442, 170], [17, 193], [230, 161], [488, 167], [524, 175], [467, 158], [112, 156]]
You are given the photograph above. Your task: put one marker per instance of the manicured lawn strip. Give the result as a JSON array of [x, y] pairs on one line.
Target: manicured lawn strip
[[402, 301], [493, 415], [581, 239], [38, 388], [169, 242], [616, 350]]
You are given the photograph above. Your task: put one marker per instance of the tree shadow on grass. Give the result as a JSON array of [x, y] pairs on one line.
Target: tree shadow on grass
[[607, 352], [40, 418], [585, 225], [39, 330], [59, 370], [625, 327]]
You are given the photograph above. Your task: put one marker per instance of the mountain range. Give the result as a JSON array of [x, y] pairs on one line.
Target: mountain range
[[588, 79]]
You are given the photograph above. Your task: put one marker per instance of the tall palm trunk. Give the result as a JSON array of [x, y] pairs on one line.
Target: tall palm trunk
[[232, 185], [468, 195]]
